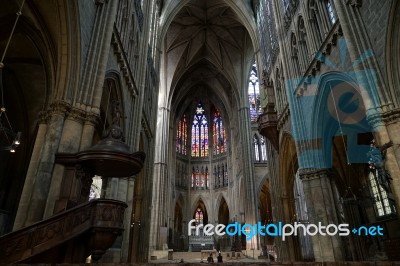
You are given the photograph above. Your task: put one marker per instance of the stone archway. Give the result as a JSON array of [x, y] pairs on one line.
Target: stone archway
[[265, 209], [177, 237], [288, 169], [26, 79], [201, 207], [223, 212]]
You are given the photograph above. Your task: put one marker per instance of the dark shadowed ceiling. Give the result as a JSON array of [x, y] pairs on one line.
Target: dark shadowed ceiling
[[207, 45]]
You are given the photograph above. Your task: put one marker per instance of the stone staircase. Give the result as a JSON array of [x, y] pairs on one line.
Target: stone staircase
[[69, 236]]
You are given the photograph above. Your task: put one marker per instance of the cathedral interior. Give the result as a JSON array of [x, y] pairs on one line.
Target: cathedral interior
[[123, 120]]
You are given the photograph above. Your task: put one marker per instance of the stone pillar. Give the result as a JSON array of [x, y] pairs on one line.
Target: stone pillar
[[69, 143], [159, 177], [384, 135], [251, 213], [42, 179], [321, 208], [30, 176], [89, 97], [387, 126]]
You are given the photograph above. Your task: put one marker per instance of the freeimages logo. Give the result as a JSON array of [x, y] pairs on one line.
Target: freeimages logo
[[333, 104], [280, 229]]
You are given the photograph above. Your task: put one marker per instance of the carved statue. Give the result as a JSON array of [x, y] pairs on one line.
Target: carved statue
[[377, 157], [116, 113], [114, 131]]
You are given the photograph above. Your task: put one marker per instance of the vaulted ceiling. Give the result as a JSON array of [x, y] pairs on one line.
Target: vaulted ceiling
[[207, 45]]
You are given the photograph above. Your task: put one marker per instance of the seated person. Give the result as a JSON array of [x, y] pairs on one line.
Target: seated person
[[210, 258]]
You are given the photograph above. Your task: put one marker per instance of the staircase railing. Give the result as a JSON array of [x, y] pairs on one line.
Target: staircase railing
[[69, 236]]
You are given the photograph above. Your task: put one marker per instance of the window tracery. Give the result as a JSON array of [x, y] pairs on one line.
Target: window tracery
[[199, 216], [331, 12], [260, 149], [200, 133], [382, 204], [200, 178], [315, 21], [303, 44], [254, 94], [181, 136], [219, 135]]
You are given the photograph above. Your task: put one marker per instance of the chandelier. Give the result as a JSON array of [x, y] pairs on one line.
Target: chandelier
[[9, 139]]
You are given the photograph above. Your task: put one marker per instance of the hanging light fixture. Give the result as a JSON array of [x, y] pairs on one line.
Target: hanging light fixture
[[9, 139]]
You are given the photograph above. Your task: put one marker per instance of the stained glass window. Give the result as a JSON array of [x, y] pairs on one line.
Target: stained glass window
[[181, 136], [221, 175], [200, 178], [331, 13], [382, 204], [198, 216], [260, 149], [200, 133], [263, 148], [256, 151], [219, 136], [254, 94]]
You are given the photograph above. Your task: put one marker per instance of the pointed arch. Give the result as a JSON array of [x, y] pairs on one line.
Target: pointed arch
[[393, 53], [223, 212], [200, 212]]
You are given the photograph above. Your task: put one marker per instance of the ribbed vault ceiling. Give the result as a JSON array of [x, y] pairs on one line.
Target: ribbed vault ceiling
[[206, 43]]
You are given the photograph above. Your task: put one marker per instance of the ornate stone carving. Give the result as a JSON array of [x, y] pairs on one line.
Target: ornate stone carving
[[40, 241], [355, 3], [123, 62], [312, 173], [146, 128], [92, 118], [391, 116], [55, 108], [76, 114]]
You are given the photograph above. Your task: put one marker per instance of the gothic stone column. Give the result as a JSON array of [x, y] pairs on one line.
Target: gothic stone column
[[321, 208], [39, 184]]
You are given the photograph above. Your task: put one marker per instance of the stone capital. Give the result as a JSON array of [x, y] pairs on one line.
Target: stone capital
[[59, 108], [392, 116], [92, 118], [76, 114], [313, 173], [355, 3]]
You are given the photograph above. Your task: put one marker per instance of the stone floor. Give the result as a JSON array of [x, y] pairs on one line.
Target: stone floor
[[195, 257]]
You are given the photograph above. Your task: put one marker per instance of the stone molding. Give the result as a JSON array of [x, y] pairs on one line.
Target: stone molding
[[146, 128], [313, 173], [354, 3], [64, 109], [123, 62], [391, 116], [76, 114]]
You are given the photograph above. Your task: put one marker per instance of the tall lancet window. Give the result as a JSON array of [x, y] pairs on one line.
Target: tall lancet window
[[181, 136], [198, 216], [200, 133], [219, 136], [254, 94]]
